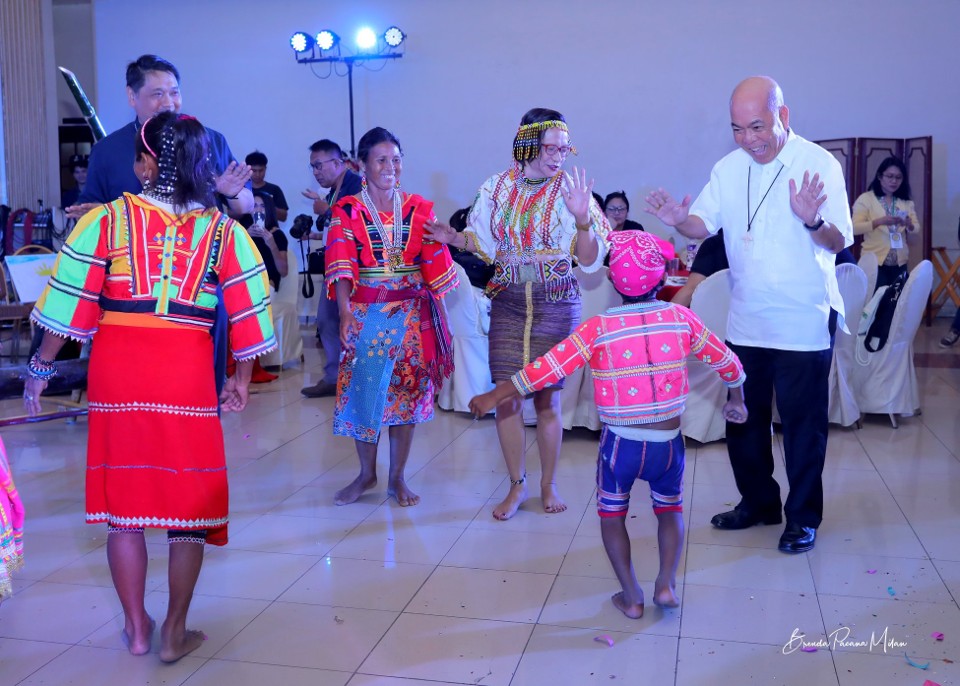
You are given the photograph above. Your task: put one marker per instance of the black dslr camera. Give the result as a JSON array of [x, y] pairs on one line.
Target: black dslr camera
[[302, 226]]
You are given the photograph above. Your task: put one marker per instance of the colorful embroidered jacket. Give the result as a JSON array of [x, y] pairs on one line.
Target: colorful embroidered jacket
[[526, 231], [637, 354], [354, 246], [132, 256]]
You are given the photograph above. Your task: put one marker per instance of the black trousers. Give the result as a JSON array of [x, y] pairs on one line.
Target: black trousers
[[800, 380]]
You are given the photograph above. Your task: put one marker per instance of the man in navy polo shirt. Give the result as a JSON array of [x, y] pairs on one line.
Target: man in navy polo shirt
[[153, 86]]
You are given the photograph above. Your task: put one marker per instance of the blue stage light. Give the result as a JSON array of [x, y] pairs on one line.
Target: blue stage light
[[366, 38], [301, 41], [393, 36], [326, 39]]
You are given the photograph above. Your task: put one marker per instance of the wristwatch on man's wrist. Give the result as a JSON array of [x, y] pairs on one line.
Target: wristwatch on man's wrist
[[818, 222]]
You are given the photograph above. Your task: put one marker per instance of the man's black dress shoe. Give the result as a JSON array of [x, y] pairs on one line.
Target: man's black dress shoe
[[797, 539], [741, 519], [320, 390]]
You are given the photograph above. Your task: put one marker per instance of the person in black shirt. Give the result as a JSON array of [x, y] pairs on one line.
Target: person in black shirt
[[478, 272], [617, 208], [257, 162], [267, 236], [332, 173]]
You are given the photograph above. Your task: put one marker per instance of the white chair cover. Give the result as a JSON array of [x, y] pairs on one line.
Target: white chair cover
[[868, 263], [468, 316], [703, 419], [286, 319], [843, 407], [887, 384]]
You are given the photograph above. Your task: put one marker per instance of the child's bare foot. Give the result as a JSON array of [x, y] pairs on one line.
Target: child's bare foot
[[552, 502], [172, 648], [405, 497], [510, 504], [633, 611], [138, 642], [665, 595], [351, 493]]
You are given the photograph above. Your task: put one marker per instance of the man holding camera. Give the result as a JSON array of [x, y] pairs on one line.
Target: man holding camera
[[330, 171]]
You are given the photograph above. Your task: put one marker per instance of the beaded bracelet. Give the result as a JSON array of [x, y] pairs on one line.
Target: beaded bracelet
[[41, 369]]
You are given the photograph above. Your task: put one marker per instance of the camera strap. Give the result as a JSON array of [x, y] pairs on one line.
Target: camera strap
[[306, 288]]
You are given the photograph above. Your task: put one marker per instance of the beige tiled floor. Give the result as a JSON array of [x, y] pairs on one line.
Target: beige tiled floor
[[376, 595]]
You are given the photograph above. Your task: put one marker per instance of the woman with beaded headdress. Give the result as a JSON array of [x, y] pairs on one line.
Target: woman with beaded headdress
[[387, 278], [533, 222], [139, 275]]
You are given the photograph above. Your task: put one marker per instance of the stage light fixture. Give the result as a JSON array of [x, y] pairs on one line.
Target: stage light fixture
[[366, 38], [301, 41], [393, 36], [326, 39]]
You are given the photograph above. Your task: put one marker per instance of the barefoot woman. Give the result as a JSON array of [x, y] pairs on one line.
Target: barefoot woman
[[387, 278], [140, 276], [532, 222]]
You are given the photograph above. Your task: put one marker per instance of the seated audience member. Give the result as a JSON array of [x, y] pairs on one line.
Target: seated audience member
[[78, 170], [638, 352], [267, 236], [599, 199], [478, 272], [257, 162], [712, 258], [953, 334], [617, 208]]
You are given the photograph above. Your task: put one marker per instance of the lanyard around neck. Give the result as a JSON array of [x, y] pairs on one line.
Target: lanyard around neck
[[751, 217]]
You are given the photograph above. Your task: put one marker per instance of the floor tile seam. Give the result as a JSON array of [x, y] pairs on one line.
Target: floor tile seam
[[883, 479], [955, 596], [684, 567], [66, 647], [688, 585], [890, 600], [946, 447], [889, 491], [459, 433]]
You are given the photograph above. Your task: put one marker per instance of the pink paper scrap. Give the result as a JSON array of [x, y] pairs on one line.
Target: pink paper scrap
[[937, 636], [871, 571], [809, 649]]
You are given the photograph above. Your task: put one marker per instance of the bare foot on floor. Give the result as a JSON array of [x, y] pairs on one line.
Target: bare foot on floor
[[351, 493], [633, 611], [405, 497], [510, 504], [665, 596], [172, 649], [138, 642], [552, 502]]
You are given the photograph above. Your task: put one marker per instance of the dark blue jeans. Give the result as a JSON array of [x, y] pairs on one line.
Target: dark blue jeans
[[800, 381]]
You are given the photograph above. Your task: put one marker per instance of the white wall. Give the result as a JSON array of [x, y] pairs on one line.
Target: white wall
[[644, 85], [74, 49]]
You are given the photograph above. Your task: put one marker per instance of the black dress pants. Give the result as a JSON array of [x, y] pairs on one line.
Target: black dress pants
[[800, 381]]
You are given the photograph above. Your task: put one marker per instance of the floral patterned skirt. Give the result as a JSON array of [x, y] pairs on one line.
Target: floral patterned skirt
[[384, 381]]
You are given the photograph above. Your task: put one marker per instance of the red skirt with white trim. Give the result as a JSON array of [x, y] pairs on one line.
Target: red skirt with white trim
[[155, 454]]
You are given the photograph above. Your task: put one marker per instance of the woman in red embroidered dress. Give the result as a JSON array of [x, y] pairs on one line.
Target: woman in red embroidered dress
[[533, 222], [140, 276], [387, 278]]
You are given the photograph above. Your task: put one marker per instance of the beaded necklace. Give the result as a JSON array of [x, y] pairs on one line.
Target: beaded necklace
[[522, 200], [392, 241]]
